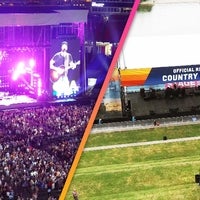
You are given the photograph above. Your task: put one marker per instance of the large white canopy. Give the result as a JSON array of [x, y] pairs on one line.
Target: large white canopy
[[169, 35]]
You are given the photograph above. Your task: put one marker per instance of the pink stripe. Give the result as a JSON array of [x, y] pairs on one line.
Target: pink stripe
[[99, 100], [117, 53]]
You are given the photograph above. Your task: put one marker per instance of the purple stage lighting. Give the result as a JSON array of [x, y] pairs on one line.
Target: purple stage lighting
[[39, 89], [32, 63], [18, 71]]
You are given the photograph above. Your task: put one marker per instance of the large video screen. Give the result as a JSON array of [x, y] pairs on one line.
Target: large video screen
[[64, 67]]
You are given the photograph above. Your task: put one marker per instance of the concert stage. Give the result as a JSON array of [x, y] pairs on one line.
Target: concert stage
[[24, 101]]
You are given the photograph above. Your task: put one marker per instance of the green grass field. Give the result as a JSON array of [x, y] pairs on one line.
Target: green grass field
[[162, 171]]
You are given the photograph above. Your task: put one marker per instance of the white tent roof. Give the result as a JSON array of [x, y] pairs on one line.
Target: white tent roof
[[169, 35]]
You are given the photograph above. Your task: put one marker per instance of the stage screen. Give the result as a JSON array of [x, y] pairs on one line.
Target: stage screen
[[64, 67]]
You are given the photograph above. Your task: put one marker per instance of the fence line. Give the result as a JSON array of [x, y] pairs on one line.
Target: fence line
[[144, 124]]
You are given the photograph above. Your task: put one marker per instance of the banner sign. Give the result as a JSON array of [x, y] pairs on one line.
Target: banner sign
[[183, 76]]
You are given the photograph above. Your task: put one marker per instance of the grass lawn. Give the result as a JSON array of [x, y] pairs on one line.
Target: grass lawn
[[156, 172], [144, 135]]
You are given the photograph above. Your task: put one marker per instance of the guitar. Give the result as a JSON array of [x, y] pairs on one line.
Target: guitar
[[57, 72]]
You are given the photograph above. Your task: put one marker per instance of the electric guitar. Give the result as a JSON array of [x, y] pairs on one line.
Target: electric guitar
[[59, 71]]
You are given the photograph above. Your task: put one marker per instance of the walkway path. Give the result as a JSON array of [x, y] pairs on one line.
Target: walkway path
[[141, 144], [144, 124]]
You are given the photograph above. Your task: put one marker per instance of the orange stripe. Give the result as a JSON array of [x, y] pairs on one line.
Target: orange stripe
[[135, 71], [98, 102], [133, 83], [135, 77]]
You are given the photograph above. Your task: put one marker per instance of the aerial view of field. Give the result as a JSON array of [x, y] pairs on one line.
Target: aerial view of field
[[140, 164]]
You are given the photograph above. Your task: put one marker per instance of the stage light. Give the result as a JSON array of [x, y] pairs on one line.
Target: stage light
[[18, 71], [32, 63], [15, 76], [95, 4], [92, 82], [39, 89], [21, 68]]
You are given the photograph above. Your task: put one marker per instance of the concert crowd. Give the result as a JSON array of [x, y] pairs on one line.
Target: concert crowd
[[37, 148]]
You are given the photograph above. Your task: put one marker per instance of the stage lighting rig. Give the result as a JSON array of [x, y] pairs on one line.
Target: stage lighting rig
[[111, 16], [68, 4]]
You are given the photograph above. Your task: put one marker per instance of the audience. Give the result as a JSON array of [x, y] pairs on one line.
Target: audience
[[37, 148]]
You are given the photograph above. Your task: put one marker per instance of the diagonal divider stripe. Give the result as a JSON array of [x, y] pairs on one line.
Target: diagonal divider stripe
[[98, 102]]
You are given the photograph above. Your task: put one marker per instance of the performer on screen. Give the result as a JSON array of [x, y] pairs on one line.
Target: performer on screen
[[60, 63]]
